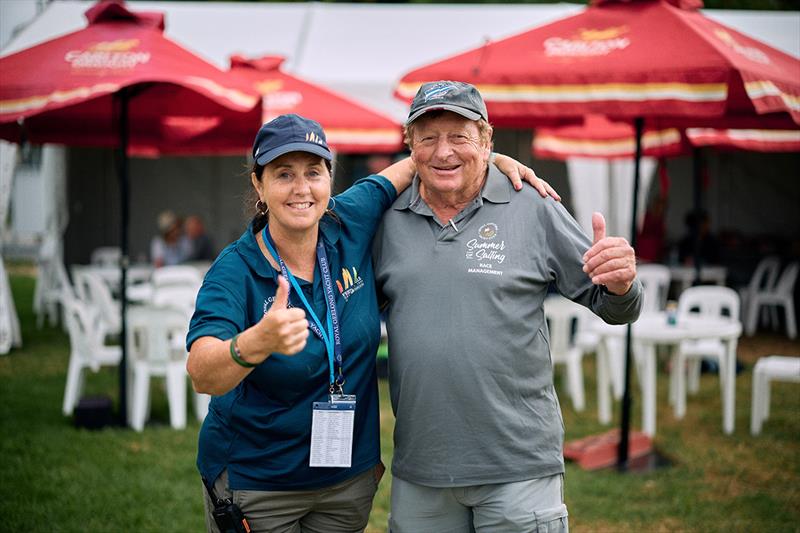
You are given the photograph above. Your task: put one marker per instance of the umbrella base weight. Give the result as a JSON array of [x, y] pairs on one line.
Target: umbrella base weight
[[601, 451], [93, 412]]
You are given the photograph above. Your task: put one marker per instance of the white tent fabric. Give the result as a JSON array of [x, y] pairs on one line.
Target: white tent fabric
[[607, 187], [10, 334], [54, 168]]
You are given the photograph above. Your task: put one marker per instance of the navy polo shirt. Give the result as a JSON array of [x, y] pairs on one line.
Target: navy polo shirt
[[261, 430]]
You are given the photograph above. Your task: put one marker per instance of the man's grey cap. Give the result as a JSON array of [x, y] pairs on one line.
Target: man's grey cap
[[455, 96]]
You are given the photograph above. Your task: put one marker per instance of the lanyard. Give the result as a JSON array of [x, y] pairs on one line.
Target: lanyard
[[332, 337]]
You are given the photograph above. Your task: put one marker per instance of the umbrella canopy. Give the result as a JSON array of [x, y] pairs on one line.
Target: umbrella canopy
[[645, 58], [601, 138], [753, 140], [349, 126], [62, 91]]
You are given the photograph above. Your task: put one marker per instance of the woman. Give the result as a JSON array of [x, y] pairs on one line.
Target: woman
[[292, 431]]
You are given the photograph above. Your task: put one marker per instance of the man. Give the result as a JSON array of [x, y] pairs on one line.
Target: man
[[464, 263], [199, 242]]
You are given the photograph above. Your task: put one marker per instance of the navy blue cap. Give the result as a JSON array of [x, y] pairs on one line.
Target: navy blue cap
[[289, 133], [456, 96]]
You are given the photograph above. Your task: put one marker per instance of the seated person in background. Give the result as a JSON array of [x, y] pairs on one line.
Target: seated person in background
[[697, 222], [199, 243], [168, 248]]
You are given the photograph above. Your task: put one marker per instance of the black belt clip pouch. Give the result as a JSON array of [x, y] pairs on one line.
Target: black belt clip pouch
[[227, 515]]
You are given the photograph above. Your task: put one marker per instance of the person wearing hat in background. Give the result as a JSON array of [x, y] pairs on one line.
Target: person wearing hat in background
[[292, 434], [464, 265], [169, 247]]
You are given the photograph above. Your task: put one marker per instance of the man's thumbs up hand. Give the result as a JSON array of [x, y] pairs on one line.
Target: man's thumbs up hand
[[610, 261]]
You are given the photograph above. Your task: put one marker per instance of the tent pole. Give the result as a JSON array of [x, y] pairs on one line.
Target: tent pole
[[122, 171], [622, 457]]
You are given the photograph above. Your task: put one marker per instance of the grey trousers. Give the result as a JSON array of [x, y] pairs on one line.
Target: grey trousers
[[535, 505], [342, 508]]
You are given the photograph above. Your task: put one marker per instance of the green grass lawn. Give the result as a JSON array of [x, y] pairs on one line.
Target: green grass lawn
[[54, 477]]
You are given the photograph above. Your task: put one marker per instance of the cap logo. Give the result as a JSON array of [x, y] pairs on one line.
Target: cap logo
[[440, 90], [314, 138]]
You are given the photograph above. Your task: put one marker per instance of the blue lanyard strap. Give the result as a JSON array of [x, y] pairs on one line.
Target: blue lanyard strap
[[332, 337]]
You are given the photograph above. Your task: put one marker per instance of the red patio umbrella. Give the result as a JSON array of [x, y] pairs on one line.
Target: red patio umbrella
[[349, 126], [655, 60], [120, 83], [650, 58], [63, 90]]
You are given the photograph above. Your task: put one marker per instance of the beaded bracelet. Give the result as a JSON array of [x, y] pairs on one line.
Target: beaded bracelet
[[236, 355]]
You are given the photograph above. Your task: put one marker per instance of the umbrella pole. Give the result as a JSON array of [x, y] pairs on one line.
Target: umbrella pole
[[122, 171], [697, 178], [622, 456]]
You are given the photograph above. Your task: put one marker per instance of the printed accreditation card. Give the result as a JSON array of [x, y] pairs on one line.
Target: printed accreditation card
[[332, 431]]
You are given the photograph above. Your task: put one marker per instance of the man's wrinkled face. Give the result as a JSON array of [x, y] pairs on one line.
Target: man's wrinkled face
[[449, 152]]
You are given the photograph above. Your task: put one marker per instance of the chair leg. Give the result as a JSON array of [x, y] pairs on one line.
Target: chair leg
[[75, 379], [603, 385], [673, 380], [201, 402], [751, 322], [756, 403], [791, 321], [615, 350], [141, 398], [693, 379], [680, 385], [575, 378], [176, 394]]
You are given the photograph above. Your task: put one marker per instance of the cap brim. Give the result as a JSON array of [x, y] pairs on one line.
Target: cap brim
[[467, 113], [267, 157]]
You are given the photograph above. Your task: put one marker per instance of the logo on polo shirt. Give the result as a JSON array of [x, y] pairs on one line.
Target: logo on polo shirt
[[486, 254], [488, 231], [269, 301], [349, 283]]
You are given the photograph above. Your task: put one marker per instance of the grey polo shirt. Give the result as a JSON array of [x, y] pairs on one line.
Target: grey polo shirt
[[471, 377]]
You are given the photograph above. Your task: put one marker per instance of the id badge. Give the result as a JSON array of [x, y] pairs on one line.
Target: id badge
[[332, 431]]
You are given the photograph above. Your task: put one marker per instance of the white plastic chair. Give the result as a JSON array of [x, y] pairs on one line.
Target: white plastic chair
[[655, 280], [763, 279], [155, 342], [781, 295], [706, 300], [50, 282], [182, 298], [106, 256], [182, 275], [767, 369], [10, 333], [87, 350], [91, 288], [561, 313]]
